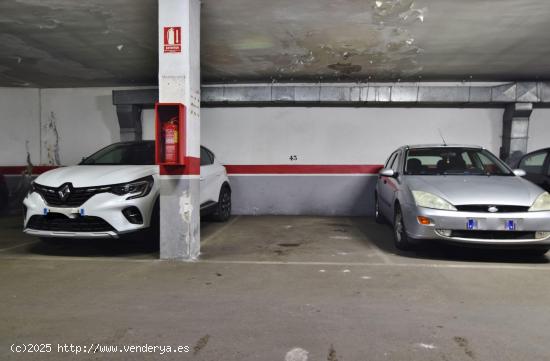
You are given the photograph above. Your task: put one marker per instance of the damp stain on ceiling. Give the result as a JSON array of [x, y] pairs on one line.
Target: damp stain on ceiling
[[60, 43]]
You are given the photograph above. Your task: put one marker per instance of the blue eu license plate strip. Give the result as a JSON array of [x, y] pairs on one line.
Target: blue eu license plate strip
[[510, 225], [471, 224]]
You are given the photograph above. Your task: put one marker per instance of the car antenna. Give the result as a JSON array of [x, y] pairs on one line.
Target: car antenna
[[441, 135]]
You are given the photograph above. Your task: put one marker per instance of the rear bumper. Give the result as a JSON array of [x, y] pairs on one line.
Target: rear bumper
[[525, 222]]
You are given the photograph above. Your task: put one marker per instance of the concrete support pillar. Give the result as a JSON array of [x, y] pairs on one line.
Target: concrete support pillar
[[179, 82], [129, 119], [515, 131]]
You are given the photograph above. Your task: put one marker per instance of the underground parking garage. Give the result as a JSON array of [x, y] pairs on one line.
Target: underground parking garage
[[247, 180]]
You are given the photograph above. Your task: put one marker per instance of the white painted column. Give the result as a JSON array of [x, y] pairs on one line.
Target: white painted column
[[179, 82]]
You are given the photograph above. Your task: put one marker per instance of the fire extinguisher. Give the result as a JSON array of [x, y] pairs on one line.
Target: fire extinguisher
[[170, 133]]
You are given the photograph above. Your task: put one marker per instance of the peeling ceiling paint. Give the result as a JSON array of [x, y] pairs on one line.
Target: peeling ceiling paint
[[56, 43]]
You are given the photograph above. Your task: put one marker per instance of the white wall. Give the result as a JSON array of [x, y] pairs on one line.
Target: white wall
[[85, 119], [339, 135], [19, 124], [539, 130]]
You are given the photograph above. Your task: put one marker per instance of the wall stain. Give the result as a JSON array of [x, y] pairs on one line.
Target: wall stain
[[50, 140]]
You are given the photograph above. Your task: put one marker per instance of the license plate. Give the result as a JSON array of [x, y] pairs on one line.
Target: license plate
[[65, 211]]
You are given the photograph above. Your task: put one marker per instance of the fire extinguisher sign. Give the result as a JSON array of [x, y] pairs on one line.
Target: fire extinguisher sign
[[172, 39]]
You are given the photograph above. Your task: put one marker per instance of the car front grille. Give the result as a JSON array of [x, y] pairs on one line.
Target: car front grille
[[60, 223], [75, 198], [484, 208], [492, 234]]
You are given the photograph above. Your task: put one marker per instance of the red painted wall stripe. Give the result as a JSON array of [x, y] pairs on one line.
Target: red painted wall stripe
[[19, 169], [303, 169], [193, 168]]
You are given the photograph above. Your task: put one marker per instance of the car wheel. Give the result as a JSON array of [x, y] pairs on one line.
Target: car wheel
[[378, 217], [401, 240], [223, 209]]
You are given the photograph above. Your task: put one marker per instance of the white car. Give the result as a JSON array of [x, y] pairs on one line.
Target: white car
[[113, 192]]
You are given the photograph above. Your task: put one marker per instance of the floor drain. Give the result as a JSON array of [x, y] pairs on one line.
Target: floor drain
[[288, 244]]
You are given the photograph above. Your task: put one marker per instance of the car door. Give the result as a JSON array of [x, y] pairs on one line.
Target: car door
[[534, 165], [207, 177], [546, 181], [210, 177], [388, 187]]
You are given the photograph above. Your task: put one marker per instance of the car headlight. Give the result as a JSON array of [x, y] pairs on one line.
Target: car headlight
[[136, 189], [542, 203], [429, 200]]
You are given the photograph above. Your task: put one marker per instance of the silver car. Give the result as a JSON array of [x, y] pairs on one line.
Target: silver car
[[460, 194]]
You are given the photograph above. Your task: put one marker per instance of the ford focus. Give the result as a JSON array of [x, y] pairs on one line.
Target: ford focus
[[461, 194]]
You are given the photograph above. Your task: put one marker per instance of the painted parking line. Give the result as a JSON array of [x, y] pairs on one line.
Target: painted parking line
[[81, 259], [541, 267], [381, 255], [219, 231], [18, 246]]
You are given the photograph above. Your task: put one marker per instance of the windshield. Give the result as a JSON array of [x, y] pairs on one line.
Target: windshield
[[131, 153], [453, 161]]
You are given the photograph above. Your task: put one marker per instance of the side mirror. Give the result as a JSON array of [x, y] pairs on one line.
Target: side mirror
[[520, 172], [387, 172]]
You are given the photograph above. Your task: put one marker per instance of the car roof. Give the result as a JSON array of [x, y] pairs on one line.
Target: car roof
[[537, 151], [129, 142], [417, 146]]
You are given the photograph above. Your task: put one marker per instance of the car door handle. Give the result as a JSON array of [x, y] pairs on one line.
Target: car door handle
[[201, 178]]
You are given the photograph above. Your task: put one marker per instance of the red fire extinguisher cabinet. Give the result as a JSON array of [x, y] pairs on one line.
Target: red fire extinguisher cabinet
[[170, 134]]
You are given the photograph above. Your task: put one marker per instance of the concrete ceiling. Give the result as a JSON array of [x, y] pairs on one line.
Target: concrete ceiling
[[59, 43]]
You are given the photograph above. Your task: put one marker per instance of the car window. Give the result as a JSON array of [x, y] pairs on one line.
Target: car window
[[395, 162], [487, 164], [206, 158], [211, 155], [467, 159], [533, 163], [390, 160], [453, 161], [128, 153]]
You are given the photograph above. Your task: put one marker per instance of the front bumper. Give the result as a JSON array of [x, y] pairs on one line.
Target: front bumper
[[525, 223], [61, 234], [105, 206]]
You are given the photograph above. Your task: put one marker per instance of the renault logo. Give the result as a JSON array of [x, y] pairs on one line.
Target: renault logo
[[64, 192], [493, 209]]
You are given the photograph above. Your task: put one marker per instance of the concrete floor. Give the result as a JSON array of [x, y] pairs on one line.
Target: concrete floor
[[274, 288]]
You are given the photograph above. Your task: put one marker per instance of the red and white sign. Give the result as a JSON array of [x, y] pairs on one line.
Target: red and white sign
[[172, 39]]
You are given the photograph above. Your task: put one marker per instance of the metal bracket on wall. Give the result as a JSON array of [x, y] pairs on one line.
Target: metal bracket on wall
[[515, 129], [356, 94], [129, 119]]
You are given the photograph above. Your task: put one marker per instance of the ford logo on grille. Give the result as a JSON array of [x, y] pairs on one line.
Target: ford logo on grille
[[492, 209], [64, 192]]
